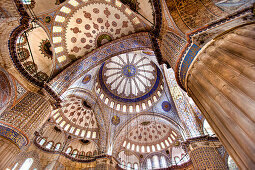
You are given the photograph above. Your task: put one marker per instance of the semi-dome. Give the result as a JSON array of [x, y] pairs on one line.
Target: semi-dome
[[150, 136], [77, 118]]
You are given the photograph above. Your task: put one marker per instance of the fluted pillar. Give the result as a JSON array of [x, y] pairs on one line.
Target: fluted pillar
[[203, 153], [221, 81], [8, 150]]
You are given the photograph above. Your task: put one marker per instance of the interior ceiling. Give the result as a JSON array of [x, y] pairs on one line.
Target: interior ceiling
[[191, 14]]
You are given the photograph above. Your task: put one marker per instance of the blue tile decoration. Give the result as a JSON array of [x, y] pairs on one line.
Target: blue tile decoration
[[187, 60], [14, 135]]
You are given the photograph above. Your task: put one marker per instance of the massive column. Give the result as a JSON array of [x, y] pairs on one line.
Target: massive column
[[221, 81], [203, 153], [8, 150]]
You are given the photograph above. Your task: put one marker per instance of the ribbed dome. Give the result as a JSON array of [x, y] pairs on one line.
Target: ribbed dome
[[130, 78]]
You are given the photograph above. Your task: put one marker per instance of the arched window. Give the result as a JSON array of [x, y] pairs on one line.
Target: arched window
[[49, 145], [137, 148], [129, 166], [95, 152], [68, 150], [231, 164], [42, 141], [177, 160], [57, 146], [155, 162], [82, 155], [75, 153], [135, 166], [142, 149], [163, 163], [27, 164], [149, 164], [153, 148], [89, 153]]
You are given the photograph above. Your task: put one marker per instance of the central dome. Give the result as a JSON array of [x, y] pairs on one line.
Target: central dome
[[130, 78]]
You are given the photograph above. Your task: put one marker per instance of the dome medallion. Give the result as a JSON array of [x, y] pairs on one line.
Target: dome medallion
[[129, 70], [129, 79]]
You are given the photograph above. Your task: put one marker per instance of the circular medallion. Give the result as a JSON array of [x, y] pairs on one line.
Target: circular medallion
[[129, 70], [86, 79], [115, 120], [166, 106], [47, 19]]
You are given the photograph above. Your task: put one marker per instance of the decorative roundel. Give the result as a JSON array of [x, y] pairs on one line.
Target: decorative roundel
[[86, 79], [47, 19], [129, 70], [115, 120], [166, 106]]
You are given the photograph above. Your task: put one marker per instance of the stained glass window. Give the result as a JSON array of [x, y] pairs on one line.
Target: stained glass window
[[49, 145], [57, 147]]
